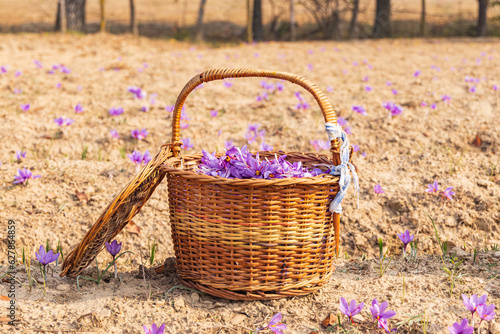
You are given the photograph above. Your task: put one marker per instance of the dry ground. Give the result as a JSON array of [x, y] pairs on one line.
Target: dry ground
[[404, 154]]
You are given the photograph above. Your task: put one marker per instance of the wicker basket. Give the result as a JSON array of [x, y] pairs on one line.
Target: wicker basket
[[241, 239], [248, 239]]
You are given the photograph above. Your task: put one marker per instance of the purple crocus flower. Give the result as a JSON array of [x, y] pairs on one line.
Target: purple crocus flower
[[275, 326], [462, 328], [355, 148], [18, 73], [114, 134], [433, 106], [486, 312], [265, 147], [146, 158], [45, 257], [446, 98], [61, 121], [359, 110], [137, 92], [320, 144], [20, 154], [187, 144], [17, 91], [145, 108], [448, 193], [24, 175], [78, 108], [170, 108], [329, 89], [417, 73], [25, 107], [37, 63], [139, 134], [3, 69], [380, 314], [423, 104], [113, 248], [135, 157], [472, 89], [378, 189], [228, 145], [495, 87], [214, 113], [154, 329], [394, 91], [351, 309], [388, 83], [393, 108], [252, 132], [310, 66], [279, 86], [368, 88], [64, 69], [116, 111], [364, 154], [341, 121], [227, 84], [347, 130], [474, 301], [433, 187], [405, 238]]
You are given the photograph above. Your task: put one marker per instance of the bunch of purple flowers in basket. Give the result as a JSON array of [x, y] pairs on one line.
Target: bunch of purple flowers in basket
[[241, 164]]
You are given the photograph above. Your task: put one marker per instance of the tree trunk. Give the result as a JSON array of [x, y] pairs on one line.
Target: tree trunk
[[198, 36], [103, 16], [75, 15], [382, 24], [422, 20], [258, 30], [62, 16], [354, 19], [336, 21], [292, 21], [134, 28], [481, 19], [249, 22]]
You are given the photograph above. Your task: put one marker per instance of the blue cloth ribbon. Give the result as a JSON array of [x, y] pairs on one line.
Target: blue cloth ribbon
[[335, 132]]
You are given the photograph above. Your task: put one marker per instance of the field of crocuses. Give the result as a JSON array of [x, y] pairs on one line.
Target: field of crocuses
[[420, 249]]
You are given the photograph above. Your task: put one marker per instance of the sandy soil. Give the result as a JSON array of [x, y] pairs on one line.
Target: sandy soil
[[403, 153]]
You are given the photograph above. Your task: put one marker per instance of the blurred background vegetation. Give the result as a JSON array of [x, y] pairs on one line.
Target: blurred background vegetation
[[256, 20]]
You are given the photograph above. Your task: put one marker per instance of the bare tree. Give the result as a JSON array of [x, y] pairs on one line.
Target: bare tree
[[422, 20], [354, 18], [257, 28], [382, 24], [292, 21], [75, 15], [134, 27], [481, 18], [103, 16], [198, 36], [326, 13]]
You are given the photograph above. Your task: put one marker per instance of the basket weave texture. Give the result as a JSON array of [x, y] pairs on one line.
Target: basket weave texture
[[250, 239]]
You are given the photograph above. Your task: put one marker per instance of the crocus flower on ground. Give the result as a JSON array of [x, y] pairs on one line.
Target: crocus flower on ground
[[405, 238], [213, 113], [265, 147], [228, 84], [378, 189], [25, 107], [341, 121], [416, 74], [472, 89], [116, 111], [350, 309], [154, 329], [355, 148], [113, 248], [61, 121], [446, 98], [138, 158], [320, 144], [448, 193], [139, 134], [45, 257], [486, 312], [275, 326], [137, 92], [114, 133], [170, 108], [368, 89], [433, 187], [187, 144], [145, 108], [473, 302], [252, 133], [280, 86], [359, 110], [393, 108], [20, 154], [462, 328], [380, 314], [18, 73], [78, 108], [24, 175]]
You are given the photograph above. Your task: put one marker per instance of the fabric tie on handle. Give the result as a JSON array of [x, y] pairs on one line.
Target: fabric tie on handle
[[335, 132]]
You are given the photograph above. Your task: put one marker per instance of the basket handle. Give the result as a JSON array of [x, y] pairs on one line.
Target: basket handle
[[219, 74]]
